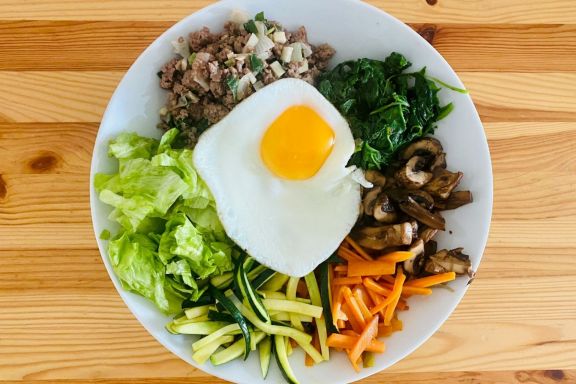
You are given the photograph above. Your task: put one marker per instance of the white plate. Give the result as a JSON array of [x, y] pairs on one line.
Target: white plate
[[356, 30]]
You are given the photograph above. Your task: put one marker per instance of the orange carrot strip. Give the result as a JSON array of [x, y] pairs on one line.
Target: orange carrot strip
[[396, 291], [363, 308], [336, 340], [356, 326], [308, 360], [358, 249], [364, 295], [388, 279], [425, 282], [347, 280], [408, 290], [337, 305], [396, 257], [369, 333], [387, 330], [370, 268], [373, 286], [348, 255], [354, 308], [341, 268], [402, 305], [355, 363], [377, 300], [340, 324]]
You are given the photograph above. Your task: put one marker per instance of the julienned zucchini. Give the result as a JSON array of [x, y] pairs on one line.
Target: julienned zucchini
[[190, 327], [276, 282], [326, 297], [231, 329], [265, 351], [235, 313], [263, 278], [282, 359], [247, 292], [235, 350], [314, 292], [204, 353]]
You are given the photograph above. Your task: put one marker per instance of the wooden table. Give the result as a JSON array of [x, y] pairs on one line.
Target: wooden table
[[62, 320]]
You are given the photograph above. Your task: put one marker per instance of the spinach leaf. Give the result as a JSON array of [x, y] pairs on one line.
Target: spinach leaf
[[385, 106]]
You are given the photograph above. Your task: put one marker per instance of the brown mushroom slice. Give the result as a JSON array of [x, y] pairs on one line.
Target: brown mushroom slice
[[412, 175], [443, 183], [439, 162], [414, 225], [369, 200], [427, 234], [432, 220], [384, 210], [375, 177], [448, 261], [424, 146], [412, 265], [379, 238], [455, 200], [430, 248]]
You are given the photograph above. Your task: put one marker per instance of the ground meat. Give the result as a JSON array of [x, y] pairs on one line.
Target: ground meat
[[201, 39], [200, 94], [299, 36], [215, 112]]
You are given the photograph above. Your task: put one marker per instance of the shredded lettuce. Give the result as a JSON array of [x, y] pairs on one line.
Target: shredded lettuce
[[170, 238]]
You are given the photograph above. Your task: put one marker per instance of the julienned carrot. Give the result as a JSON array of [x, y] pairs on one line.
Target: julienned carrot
[[358, 249], [354, 308], [308, 360], [370, 268], [388, 279], [369, 333], [425, 282], [348, 255], [377, 300], [337, 305], [341, 268], [408, 290], [373, 286], [396, 291], [336, 340], [387, 330], [355, 364], [363, 308], [347, 280], [402, 305], [352, 320], [396, 257]]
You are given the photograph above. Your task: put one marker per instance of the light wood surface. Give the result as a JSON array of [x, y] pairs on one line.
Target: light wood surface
[[61, 320]]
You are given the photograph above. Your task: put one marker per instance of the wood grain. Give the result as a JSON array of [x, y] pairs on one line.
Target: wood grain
[[412, 11], [114, 45], [61, 320]]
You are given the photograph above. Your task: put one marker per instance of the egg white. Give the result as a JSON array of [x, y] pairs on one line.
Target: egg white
[[290, 226]]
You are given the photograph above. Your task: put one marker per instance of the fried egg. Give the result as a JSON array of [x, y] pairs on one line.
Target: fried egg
[[276, 165]]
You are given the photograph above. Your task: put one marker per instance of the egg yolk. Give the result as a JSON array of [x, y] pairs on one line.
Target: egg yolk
[[297, 143]]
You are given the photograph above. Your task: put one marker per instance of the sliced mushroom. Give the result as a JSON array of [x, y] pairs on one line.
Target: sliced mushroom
[[432, 220], [413, 175], [430, 248], [455, 200], [384, 210], [443, 183], [375, 178], [412, 265], [427, 234], [379, 238], [421, 197], [448, 261], [370, 200], [439, 162], [414, 225], [423, 147]]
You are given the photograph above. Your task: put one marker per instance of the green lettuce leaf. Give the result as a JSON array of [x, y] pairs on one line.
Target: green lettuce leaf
[[171, 237]]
